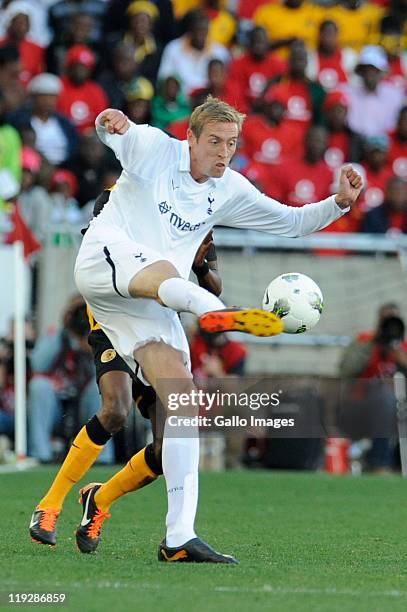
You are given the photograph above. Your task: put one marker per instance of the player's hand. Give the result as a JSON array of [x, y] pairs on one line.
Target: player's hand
[[115, 121], [203, 249], [350, 186]]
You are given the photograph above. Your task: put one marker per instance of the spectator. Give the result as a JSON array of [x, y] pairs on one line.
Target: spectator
[[55, 136], [391, 216], [358, 22], [164, 25], [179, 128], [304, 97], [170, 105], [392, 41], [90, 165], [35, 202], [249, 73], [79, 32], [368, 98], [61, 13], [17, 28], [398, 146], [124, 70], [63, 374], [10, 85], [310, 178], [10, 144], [368, 405], [329, 64], [216, 85], [344, 145], [141, 16], [81, 99], [36, 10], [377, 172], [138, 100], [267, 137], [65, 210], [214, 355], [222, 25], [289, 20], [187, 57]]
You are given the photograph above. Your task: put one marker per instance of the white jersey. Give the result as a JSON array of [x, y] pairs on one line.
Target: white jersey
[[156, 202]]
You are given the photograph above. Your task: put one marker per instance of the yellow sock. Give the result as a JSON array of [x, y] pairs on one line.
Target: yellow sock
[[82, 454], [135, 475]]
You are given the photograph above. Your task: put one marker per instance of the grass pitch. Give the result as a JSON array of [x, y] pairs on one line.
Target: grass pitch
[[304, 541]]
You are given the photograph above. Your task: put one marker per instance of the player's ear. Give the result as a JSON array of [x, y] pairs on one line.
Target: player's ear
[[191, 137]]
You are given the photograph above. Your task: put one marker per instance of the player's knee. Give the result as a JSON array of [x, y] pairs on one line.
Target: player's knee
[[116, 406]]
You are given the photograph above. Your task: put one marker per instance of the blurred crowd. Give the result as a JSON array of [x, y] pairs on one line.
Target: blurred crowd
[[321, 84]]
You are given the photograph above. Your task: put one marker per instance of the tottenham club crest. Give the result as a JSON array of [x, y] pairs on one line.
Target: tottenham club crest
[[163, 207], [210, 201]]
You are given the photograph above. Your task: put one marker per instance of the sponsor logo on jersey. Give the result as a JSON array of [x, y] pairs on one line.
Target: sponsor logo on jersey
[[108, 355], [177, 221]]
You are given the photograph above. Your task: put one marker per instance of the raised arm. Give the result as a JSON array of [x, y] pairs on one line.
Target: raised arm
[[252, 210], [141, 149]]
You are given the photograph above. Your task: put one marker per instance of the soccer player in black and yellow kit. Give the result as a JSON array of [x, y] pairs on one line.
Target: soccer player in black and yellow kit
[[118, 387]]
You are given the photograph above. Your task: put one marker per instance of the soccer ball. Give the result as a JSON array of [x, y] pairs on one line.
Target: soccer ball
[[297, 299]]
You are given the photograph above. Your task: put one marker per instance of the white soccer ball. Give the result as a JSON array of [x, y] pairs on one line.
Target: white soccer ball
[[297, 299]]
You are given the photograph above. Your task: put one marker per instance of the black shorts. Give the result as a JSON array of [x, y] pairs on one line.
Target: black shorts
[[107, 360]]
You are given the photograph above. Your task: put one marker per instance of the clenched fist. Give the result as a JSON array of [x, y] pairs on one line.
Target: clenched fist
[[350, 186], [115, 121]]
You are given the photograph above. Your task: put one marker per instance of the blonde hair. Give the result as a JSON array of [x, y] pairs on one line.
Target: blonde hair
[[214, 109]]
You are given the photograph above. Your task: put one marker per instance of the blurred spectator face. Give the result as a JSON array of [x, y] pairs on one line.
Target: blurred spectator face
[[10, 68], [139, 111], [124, 64], [387, 310], [316, 142], [78, 73], [328, 37], [44, 104], [297, 60], [65, 183], [258, 43], [19, 27], [91, 149], [396, 197], [140, 25], [402, 124], [216, 75], [171, 89], [371, 76], [198, 32], [274, 111], [81, 28], [28, 137], [376, 152], [337, 117]]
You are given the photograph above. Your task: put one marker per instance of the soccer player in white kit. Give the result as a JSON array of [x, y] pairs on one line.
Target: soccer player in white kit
[[135, 259]]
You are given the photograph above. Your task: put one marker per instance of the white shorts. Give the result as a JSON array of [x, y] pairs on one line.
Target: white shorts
[[106, 263]]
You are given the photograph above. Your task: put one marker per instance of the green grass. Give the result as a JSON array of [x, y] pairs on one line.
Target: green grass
[[304, 541]]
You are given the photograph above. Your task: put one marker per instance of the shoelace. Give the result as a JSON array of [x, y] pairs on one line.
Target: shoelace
[[97, 522], [48, 519]]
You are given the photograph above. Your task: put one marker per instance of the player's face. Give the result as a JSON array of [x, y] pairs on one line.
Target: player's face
[[212, 151]]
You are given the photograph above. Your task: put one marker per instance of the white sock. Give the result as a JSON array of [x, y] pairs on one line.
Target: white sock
[[184, 296], [180, 460]]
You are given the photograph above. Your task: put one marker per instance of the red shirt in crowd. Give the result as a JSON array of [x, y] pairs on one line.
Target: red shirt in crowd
[[299, 105], [230, 354], [32, 59], [330, 72], [179, 128], [338, 150], [382, 363], [82, 103], [398, 156], [265, 177], [303, 182], [375, 182], [268, 143], [249, 76]]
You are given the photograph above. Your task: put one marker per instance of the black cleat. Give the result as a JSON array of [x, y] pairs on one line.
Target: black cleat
[[88, 531], [43, 526], [193, 551]]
